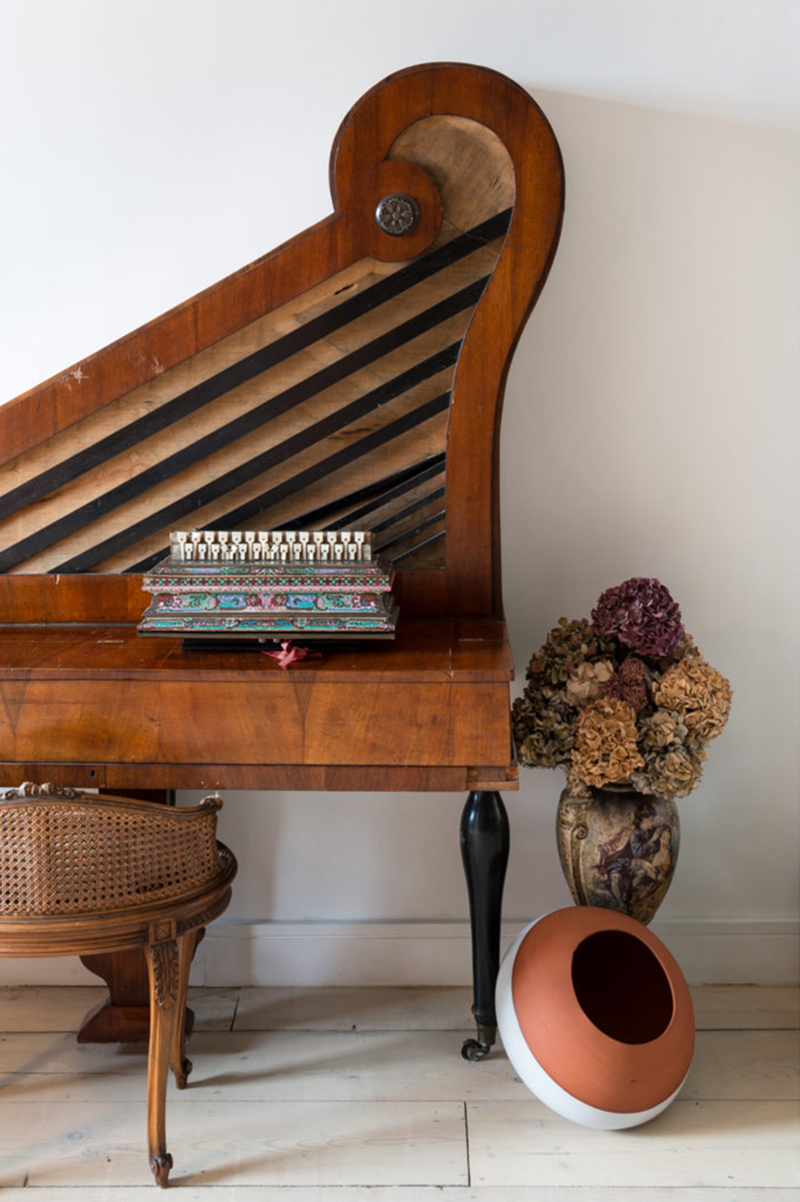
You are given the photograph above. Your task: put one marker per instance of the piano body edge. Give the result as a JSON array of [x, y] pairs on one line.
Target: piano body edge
[[95, 705]]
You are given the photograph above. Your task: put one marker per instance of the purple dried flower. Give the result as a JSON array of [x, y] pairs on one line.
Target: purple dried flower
[[629, 684], [641, 614]]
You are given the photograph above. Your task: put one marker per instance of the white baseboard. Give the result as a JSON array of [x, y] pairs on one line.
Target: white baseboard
[[430, 953], [734, 953], [726, 953]]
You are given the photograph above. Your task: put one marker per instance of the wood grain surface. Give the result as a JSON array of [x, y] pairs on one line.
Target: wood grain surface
[[100, 705]]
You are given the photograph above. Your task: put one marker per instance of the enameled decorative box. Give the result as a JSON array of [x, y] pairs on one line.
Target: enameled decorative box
[[270, 585]]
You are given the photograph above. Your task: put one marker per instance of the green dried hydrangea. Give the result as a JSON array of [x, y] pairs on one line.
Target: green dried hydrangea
[[543, 729], [660, 729], [566, 647], [672, 771]]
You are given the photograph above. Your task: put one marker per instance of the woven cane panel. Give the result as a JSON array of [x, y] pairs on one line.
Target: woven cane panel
[[66, 857]]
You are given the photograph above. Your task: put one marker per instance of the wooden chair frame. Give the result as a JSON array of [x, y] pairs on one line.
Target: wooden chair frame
[[56, 901]]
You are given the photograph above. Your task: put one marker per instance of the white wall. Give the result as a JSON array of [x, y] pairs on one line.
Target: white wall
[[150, 147]]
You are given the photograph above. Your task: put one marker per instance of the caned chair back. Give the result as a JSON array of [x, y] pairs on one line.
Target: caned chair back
[[82, 873], [76, 853]]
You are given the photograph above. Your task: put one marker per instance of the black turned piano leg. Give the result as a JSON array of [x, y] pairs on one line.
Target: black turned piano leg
[[484, 850]]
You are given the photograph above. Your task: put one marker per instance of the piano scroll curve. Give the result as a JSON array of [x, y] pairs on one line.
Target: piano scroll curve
[[350, 372]]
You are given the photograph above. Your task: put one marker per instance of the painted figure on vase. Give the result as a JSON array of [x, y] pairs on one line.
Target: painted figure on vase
[[637, 860]]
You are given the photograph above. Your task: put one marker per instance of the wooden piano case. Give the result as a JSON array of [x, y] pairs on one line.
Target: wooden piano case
[[352, 378]]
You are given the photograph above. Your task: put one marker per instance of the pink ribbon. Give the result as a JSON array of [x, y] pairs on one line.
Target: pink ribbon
[[289, 654]]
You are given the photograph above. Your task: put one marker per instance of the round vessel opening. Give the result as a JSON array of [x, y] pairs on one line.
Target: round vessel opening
[[621, 987]]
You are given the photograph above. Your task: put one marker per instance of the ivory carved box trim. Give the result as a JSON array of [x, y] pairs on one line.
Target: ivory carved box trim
[[267, 584]]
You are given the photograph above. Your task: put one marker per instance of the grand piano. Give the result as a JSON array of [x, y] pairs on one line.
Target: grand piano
[[352, 378]]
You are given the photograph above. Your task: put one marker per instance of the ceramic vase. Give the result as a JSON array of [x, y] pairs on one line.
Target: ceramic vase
[[595, 1017], [618, 848]]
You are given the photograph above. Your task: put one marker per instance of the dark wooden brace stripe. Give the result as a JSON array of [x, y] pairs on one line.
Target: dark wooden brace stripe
[[407, 510], [380, 493], [406, 534], [428, 542], [253, 365], [381, 501], [170, 514], [246, 423], [334, 463], [279, 453], [285, 450]]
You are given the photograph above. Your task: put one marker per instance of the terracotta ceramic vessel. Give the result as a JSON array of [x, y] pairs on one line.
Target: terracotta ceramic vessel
[[596, 1017], [618, 848]]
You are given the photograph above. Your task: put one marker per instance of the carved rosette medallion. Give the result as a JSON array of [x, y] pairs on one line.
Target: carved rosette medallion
[[397, 215]]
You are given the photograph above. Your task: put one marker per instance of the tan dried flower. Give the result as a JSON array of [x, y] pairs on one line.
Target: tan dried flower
[[586, 682], [699, 693], [605, 742]]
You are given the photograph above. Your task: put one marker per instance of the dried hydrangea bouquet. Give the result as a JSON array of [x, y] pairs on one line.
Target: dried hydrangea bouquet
[[626, 705]]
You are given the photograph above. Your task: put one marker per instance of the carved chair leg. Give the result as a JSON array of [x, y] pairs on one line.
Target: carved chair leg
[[162, 965], [178, 1060]]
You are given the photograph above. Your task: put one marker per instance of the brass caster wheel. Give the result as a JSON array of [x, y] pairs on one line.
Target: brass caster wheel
[[473, 1049], [478, 1049], [161, 1166]]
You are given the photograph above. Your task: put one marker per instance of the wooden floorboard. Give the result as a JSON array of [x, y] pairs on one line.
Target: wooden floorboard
[[692, 1143], [417, 1193], [362, 1095], [361, 1066], [61, 1008]]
